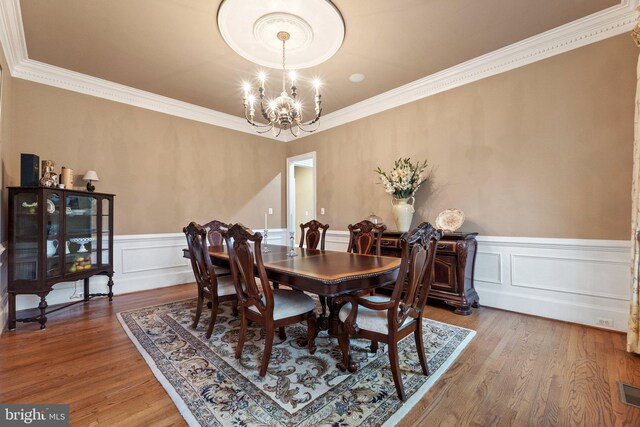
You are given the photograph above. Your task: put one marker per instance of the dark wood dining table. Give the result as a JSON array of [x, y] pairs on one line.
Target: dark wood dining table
[[322, 272]]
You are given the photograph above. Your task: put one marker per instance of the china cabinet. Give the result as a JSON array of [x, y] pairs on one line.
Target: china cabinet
[[57, 235]]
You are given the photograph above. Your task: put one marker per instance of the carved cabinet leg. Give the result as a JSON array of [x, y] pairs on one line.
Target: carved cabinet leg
[[43, 308], [86, 289], [110, 284], [12, 311], [464, 310]]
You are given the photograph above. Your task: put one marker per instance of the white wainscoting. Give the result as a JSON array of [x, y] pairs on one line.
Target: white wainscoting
[[576, 280], [141, 262]]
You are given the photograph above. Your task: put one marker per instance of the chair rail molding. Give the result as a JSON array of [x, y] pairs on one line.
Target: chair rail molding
[[575, 280], [607, 23]]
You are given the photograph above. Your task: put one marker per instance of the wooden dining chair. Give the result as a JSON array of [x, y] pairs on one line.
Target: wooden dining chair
[[391, 319], [273, 308], [364, 237], [214, 231], [313, 233], [210, 286]]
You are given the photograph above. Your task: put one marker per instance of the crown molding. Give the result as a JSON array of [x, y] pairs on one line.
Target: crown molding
[[40, 72], [590, 29], [15, 48], [12, 33]]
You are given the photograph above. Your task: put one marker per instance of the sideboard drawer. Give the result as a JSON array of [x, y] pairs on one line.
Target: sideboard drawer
[[390, 243], [446, 247]]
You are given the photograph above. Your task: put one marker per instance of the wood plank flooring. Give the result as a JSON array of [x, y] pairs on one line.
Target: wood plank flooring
[[518, 371]]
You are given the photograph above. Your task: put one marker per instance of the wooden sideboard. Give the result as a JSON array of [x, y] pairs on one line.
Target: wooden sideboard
[[454, 267]]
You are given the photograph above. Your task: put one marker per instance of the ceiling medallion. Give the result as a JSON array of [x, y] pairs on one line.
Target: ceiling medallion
[[249, 27], [300, 32]]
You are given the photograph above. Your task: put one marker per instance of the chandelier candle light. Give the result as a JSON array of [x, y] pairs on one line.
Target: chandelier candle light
[[285, 111], [402, 182]]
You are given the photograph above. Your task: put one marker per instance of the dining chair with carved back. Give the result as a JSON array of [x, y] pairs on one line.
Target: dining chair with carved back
[[313, 233], [364, 237], [215, 289], [272, 308], [391, 319], [214, 231]]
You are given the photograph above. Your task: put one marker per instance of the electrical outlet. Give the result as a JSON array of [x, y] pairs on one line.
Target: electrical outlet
[[78, 295], [321, 211], [270, 211], [604, 322]]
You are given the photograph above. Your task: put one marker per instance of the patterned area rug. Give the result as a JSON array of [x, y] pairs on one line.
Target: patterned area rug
[[211, 388]]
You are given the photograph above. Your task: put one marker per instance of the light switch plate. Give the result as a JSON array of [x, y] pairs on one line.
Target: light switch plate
[[321, 211], [270, 211]]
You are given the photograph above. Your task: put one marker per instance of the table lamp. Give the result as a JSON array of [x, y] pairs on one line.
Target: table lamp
[[90, 176]]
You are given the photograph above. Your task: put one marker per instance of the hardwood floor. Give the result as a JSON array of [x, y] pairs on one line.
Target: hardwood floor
[[519, 370]]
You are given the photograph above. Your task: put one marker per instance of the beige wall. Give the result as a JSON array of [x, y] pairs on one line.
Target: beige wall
[[6, 85], [164, 170], [541, 151], [304, 196], [5, 128]]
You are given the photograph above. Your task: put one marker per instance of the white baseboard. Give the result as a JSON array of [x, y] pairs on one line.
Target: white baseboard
[[574, 280]]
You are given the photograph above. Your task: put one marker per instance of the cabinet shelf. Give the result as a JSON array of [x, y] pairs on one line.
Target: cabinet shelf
[[80, 234], [76, 254]]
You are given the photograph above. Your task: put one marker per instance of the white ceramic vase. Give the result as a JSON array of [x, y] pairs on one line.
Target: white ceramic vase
[[402, 212]]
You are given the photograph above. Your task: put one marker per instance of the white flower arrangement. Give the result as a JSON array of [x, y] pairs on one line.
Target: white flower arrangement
[[404, 179]]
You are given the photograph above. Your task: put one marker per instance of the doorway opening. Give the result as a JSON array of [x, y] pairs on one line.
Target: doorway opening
[[301, 192]]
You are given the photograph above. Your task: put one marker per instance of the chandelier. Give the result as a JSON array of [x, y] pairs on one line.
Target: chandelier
[[285, 111]]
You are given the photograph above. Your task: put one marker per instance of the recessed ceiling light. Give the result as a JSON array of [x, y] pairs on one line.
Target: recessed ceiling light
[[357, 77]]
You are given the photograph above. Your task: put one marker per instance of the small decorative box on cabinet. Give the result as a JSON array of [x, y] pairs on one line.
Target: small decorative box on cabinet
[[454, 267], [57, 235]]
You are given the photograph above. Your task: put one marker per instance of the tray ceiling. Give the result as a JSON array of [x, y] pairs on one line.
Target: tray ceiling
[[173, 48]]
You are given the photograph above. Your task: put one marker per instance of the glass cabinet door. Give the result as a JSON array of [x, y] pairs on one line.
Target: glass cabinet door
[[104, 256], [25, 236], [81, 249], [53, 205]]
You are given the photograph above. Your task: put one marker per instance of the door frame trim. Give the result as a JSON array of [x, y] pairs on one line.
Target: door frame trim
[[291, 194]]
